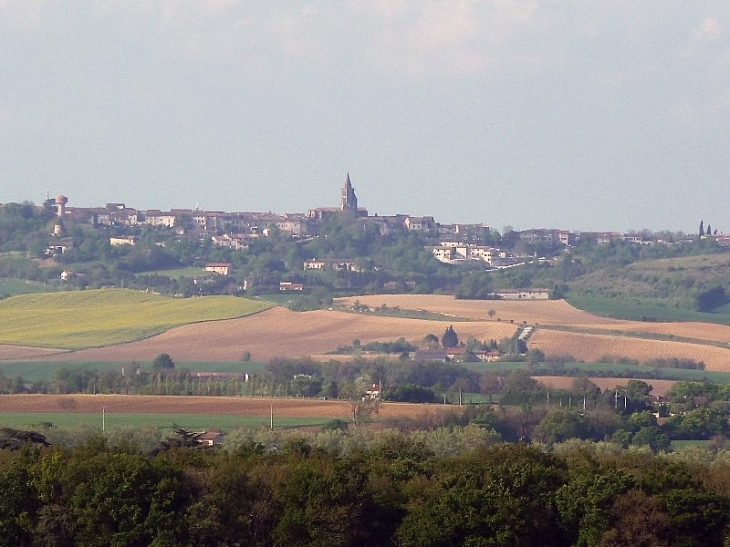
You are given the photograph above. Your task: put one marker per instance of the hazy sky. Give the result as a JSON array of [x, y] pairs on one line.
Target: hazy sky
[[579, 114]]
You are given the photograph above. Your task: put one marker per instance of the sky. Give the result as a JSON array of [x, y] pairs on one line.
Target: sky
[[572, 114]]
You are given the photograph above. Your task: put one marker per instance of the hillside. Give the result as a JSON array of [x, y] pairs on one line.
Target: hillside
[[279, 332], [560, 328], [662, 289], [92, 318]]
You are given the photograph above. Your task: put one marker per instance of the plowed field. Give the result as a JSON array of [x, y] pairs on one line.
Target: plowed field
[[281, 333], [592, 347], [557, 312], [244, 406]]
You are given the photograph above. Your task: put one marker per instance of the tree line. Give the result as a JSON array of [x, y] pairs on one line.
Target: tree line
[[393, 491]]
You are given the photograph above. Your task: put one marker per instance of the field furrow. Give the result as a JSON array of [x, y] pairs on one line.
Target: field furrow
[[592, 347]]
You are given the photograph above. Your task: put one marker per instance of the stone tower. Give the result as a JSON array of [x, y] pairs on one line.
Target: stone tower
[[349, 199], [58, 228]]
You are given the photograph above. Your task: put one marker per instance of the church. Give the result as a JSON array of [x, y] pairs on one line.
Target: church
[[348, 202]]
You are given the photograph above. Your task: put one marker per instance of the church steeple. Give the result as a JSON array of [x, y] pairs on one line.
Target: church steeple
[[349, 199]]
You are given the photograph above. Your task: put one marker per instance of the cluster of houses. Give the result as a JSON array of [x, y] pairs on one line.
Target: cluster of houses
[[457, 243]]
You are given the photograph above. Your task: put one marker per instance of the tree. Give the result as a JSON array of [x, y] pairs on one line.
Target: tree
[[362, 406], [702, 228], [163, 362], [711, 299], [560, 425], [492, 313], [431, 341], [709, 229], [450, 339]]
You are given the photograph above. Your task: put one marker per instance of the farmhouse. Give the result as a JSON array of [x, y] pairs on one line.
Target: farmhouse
[[487, 356], [523, 294], [220, 268], [210, 438], [122, 240], [290, 286], [336, 264], [458, 353]]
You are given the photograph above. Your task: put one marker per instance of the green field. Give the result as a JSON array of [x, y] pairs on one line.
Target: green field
[[45, 370], [607, 370], [654, 290], [625, 308], [94, 318], [194, 422], [177, 273], [13, 287]]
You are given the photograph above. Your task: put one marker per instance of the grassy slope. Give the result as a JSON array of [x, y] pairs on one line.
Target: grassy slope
[[13, 287], [177, 273], [655, 290], [83, 319]]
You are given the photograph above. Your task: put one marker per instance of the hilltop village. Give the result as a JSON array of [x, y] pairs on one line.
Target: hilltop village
[[449, 243]]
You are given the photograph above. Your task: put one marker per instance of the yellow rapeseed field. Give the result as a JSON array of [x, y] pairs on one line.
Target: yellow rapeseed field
[[93, 318]]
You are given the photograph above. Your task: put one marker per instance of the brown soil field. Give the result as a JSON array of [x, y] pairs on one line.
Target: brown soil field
[[590, 347], [700, 331], [554, 312], [132, 404], [659, 387], [281, 333], [546, 312], [10, 353]]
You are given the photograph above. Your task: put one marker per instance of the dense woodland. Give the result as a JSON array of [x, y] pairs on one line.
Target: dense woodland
[[389, 489]]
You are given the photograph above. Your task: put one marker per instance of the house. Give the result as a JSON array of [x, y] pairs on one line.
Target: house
[[210, 438], [373, 394], [154, 217], [220, 268], [443, 253], [487, 356], [336, 264], [459, 353], [122, 240], [523, 294], [419, 224], [601, 238], [230, 242], [58, 247], [290, 286], [66, 275], [293, 224]]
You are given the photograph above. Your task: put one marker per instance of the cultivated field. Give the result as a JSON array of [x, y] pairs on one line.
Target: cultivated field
[[104, 316], [710, 332], [554, 312], [81, 319], [586, 347], [593, 347], [279, 332], [240, 406]]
